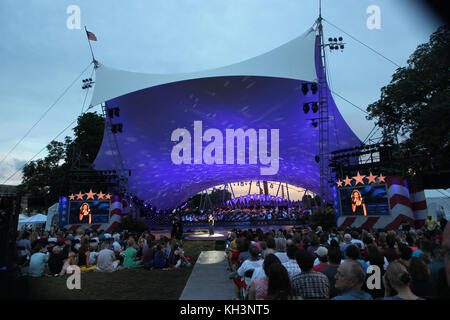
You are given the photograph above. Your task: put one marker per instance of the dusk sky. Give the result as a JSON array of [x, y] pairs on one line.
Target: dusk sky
[[40, 56]]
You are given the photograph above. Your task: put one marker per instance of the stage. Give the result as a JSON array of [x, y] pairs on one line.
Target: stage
[[201, 232]]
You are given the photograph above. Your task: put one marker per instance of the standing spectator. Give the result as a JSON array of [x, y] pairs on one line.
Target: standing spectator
[[334, 259], [350, 277], [442, 222], [431, 225], [38, 262], [309, 284], [397, 279], [291, 265]]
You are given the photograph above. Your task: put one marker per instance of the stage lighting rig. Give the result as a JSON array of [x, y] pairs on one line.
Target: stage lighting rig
[[335, 44], [87, 83]]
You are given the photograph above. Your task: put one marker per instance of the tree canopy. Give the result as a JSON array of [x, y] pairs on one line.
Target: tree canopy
[[45, 180], [415, 105]]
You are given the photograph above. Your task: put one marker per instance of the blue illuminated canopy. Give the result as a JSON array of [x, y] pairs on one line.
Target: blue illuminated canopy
[[255, 103]]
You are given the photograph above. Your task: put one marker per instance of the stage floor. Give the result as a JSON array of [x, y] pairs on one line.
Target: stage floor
[[201, 233]]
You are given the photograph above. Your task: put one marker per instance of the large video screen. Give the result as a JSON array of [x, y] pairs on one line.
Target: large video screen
[[89, 212], [364, 201]]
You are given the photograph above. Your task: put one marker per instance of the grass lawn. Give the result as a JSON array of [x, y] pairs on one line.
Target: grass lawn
[[124, 284]]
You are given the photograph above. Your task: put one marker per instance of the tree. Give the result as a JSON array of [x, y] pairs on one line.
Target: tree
[[415, 105], [45, 180]]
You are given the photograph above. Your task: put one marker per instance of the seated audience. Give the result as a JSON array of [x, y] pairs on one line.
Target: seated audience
[[397, 283], [309, 284], [291, 265], [350, 277]]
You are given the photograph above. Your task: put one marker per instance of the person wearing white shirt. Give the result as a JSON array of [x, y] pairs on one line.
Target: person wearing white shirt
[[253, 262]]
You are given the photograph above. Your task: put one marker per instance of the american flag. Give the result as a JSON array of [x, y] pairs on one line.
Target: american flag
[[91, 36]]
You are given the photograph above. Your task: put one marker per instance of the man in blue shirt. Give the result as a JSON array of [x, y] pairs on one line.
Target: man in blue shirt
[[350, 277], [38, 262]]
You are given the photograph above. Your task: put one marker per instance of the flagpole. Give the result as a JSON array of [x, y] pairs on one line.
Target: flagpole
[[92, 52]]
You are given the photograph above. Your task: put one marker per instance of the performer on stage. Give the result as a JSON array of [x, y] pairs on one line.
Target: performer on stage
[[358, 205], [85, 211], [211, 225]]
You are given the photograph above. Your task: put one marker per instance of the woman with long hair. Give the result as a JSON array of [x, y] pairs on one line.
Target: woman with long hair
[[257, 289], [278, 285]]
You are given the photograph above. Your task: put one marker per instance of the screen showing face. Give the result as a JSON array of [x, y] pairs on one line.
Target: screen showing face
[[364, 201], [90, 212]]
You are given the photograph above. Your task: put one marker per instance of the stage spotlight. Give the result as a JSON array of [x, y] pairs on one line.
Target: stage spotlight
[[116, 112], [114, 129], [315, 107], [317, 158], [119, 128], [305, 108], [340, 39], [342, 47], [335, 40], [313, 88], [305, 88], [314, 124], [330, 39], [110, 113]]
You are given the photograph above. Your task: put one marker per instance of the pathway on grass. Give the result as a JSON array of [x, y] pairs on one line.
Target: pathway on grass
[[209, 279]]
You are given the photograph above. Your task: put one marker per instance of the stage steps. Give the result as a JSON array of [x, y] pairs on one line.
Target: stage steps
[[209, 278]]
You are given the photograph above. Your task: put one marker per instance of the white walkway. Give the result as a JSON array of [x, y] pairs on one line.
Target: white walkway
[[209, 278]]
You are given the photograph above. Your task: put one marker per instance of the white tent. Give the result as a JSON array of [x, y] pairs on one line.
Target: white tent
[[438, 205], [52, 213]]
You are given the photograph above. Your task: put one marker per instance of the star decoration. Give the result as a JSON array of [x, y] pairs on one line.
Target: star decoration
[[381, 178], [359, 179], [80, 196], [348, 182], [108, 196], [72, 197], [90, 195], [371, 178], [339, 183], [100, 195]]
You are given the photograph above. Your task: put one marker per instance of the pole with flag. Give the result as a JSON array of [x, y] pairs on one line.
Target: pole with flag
[[91, 37]]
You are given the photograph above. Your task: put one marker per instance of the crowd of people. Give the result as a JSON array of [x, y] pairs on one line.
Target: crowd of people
[[298, 263], [247, 214], [339, 264], [52, 253]]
